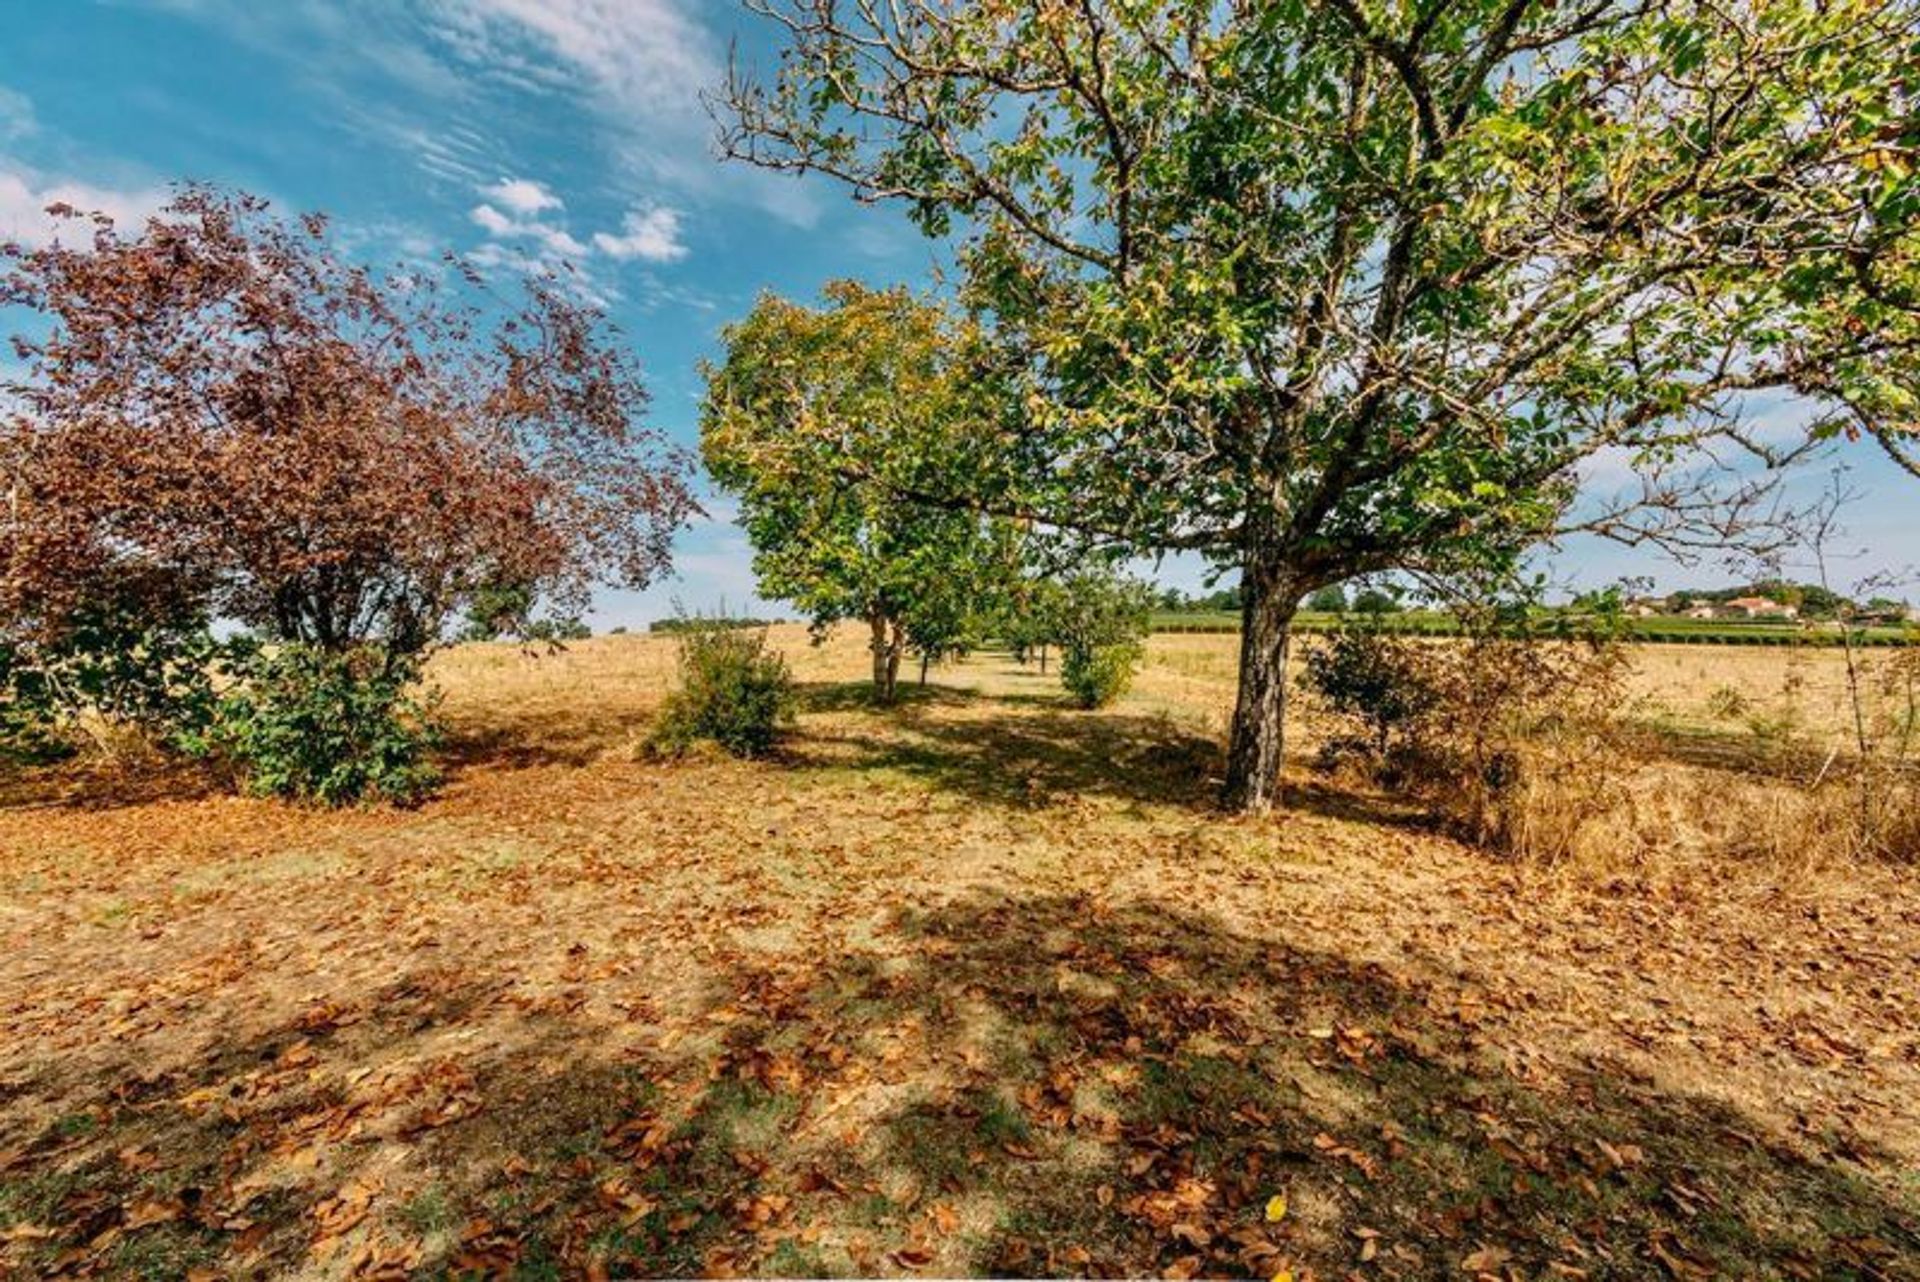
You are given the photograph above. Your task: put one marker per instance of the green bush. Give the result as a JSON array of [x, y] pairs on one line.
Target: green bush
[[1100, 621], [325, 726], [107, 669], [1373, 679], [1096, 675], [733, 692]]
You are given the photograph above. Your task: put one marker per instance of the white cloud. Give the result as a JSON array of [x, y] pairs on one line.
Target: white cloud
[[493, 222], [652, 235], [24, 198], [523, 196], [557, 240]]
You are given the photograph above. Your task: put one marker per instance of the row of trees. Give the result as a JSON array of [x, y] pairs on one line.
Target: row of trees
[[219, 417], [1331, 599]]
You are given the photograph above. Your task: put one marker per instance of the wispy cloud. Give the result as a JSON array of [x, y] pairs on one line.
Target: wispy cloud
[[16, 115], [640, 66]]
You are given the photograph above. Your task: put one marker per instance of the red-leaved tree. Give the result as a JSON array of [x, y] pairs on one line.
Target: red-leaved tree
[[220, 408]]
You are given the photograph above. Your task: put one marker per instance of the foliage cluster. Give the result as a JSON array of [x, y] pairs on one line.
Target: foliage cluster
[[1096, 619], [116, 670], [328, 726], [805, 400], [734, 692], [1517, 738]]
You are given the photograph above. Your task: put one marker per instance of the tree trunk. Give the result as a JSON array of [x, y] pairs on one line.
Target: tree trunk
[[1269, 599], [923, 669], [886, 657], [1043, 659]]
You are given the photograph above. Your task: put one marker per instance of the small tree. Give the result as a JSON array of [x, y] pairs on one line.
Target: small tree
[[221, 417], [334, 457], [1375, 601], [795, 383], [1100, 622], [734, 691]]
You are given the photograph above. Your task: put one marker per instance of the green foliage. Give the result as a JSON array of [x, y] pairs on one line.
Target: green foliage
[[334, 727], [1097, 675], [497, 611], [1375, 601], [893, 374], [1331, 599], [1100, 622], [1372, 678], [108, 666], [733, 692]]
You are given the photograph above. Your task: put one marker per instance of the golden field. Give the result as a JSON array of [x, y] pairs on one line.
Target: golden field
[[979, 984]]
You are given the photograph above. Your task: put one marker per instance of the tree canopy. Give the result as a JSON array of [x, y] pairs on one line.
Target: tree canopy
[[219, 408], [872, 374], [1330, 287]]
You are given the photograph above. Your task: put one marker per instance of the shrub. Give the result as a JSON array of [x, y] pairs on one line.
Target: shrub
[[1100, 621], [1373, 679], [109, 674], [1096, 675], [1514, 737], [733, 691], [335, 727]]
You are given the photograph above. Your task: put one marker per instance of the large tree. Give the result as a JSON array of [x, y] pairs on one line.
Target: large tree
[[870, 374], [1330, 287], [220, 408]]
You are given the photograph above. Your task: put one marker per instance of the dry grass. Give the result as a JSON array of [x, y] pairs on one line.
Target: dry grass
[[980, 984]]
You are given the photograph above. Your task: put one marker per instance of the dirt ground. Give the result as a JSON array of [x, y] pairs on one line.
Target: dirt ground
[[980, 984]]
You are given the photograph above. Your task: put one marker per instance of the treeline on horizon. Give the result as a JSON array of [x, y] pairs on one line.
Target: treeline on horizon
[[1812, 600]]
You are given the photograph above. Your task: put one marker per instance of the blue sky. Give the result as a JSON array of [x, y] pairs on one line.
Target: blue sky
[[523, 132]]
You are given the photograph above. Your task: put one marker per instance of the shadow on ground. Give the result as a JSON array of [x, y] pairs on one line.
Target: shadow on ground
[[1019, 750], [1002, 1084]]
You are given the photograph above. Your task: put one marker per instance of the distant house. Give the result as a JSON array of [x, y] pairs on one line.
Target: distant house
[[1704, 610], [1759, 607], [1643, 609]]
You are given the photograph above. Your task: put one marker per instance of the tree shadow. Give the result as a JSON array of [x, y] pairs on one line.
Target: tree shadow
[[859, 696], [90, 785], [1034, 756], [1009, 1084], [1123, 1091]]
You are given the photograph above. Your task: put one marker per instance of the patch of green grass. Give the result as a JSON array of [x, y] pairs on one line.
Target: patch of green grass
[[74, 1125], [1200, 1091], [938, 1143], [32, 1197], [873, 1210], [428, 1212], [164, 1253], [1000, 1122], [792, 1260]]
